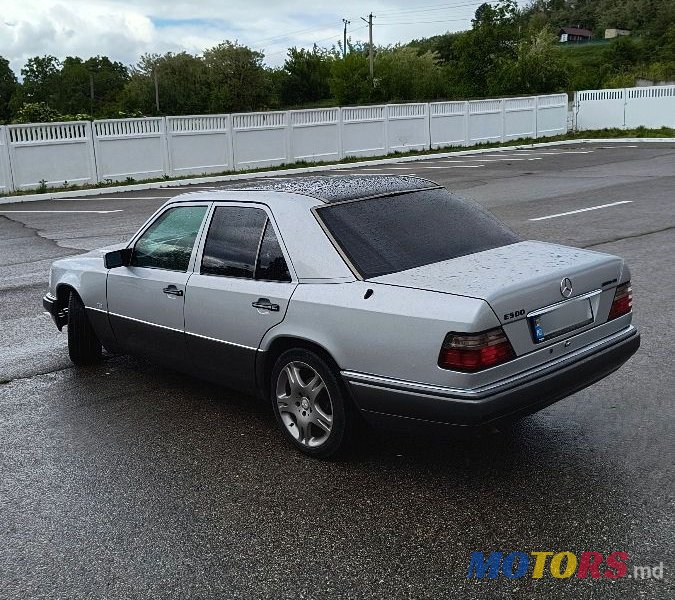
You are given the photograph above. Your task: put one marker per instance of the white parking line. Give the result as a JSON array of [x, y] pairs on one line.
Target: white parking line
[[91, 198], [557, 152], [192, 187], [456, 167], [573, 212], [133, 197], [509, 159], [97, 212]]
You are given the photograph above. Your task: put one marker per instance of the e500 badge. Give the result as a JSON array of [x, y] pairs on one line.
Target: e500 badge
[[514, 315]]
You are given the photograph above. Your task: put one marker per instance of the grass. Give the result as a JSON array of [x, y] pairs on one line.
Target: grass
[[640, 132]]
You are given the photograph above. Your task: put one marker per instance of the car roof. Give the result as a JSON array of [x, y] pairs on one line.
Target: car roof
[[340, 188]]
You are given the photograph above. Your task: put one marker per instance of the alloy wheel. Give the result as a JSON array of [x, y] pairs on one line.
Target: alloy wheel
[[304, 404]]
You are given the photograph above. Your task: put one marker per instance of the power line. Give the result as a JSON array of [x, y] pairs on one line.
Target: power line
[[431, 8], [287, 35], [420, 22], [317, 42]]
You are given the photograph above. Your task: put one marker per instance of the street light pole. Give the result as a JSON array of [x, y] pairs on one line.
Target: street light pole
[[344, 38]]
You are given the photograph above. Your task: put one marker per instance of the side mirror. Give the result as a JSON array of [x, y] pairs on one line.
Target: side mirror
[[117, 258]]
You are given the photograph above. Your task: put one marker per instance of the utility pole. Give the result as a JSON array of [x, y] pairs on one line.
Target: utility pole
[[91, 95], [370, 42], [344, 38], [154, 76]]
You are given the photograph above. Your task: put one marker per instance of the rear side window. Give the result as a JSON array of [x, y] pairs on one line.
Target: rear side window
[[271, 262], [232, 241], [168, 242], [395, 233]]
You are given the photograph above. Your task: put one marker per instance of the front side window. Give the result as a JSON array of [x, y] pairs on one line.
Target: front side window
[[168, 242], [232, 241]]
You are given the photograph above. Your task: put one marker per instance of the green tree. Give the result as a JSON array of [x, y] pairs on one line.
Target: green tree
[[305, 76], [182, 85], [403, 75], [623, 54], [109, 78], [539, 67], [350, 79], [237, 77], [487, 49], [41, 79], [8, 86]]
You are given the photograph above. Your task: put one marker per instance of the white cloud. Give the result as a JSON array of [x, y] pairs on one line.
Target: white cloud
[[124, 29]]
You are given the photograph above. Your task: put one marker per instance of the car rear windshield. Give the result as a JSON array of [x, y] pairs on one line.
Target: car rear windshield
[[395, 233]]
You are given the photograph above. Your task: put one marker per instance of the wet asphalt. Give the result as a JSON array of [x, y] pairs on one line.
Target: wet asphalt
[[131, 481]]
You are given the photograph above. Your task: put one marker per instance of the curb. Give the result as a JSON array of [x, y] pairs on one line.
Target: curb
[[318, 168]]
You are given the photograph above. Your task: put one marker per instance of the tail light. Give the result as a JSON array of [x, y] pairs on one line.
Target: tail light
[[623, 301], [471, 352]]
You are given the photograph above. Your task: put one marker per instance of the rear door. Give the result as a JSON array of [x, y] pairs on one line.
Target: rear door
[[146, 299], [240, 288]]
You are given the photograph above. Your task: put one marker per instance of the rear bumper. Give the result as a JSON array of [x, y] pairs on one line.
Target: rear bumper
[[59, 314], [385, 400]]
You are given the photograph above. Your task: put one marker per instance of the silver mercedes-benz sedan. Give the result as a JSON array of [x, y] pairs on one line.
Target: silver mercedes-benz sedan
[[382, 297]]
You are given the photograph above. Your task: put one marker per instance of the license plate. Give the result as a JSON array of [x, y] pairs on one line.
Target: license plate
[[563, 319]]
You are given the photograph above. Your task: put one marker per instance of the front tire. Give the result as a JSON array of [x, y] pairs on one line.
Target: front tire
[[84, 347], [309, 404]]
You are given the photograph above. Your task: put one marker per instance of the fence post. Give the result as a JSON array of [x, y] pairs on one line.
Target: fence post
[[427, 108], [168, 128], [89, 133], [467, 116], [341, 146], [502, 104], [95, 146], [575, 111], [289, 133], [233, 142], [385, 114], [5, 164], [165, 146], [230, 143]]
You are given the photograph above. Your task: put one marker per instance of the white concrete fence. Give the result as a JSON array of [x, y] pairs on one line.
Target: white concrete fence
[[81, 152], [652, 107]]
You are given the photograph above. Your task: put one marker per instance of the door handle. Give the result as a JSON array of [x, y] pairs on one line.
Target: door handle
[[265, 304], [172, 290]]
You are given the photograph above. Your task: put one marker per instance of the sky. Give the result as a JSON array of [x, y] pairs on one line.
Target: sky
[[125, 29]]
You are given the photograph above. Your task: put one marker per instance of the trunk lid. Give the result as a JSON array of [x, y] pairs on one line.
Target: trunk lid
[[519, 279]]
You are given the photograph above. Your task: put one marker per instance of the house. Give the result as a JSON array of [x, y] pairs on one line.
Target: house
[[574, 34], [610, 34]]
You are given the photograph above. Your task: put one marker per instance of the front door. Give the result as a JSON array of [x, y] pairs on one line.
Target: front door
[[146, 299], [240, 288]]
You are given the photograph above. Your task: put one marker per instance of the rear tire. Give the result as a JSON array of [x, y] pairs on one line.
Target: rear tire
[[84, 347], [311, 409]]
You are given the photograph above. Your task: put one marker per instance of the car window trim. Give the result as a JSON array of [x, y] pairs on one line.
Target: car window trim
[[314, 210], [196, 267], [134, 240], [260, 241], [269, 223]]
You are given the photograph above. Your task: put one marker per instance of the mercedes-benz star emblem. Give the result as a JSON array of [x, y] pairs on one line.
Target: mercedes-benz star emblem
[[566, 287]]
